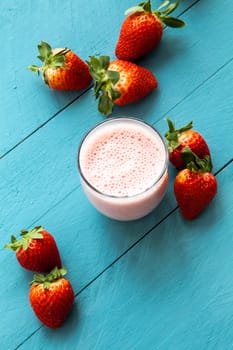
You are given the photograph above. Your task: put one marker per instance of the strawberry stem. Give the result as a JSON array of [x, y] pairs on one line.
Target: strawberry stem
[[172, 135], [162, 12], [26, 236], [104, 81], [142, 7], [194, 163], [49, 59], [52, 276]]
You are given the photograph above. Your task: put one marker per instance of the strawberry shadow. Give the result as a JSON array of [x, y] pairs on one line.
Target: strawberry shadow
[[171, 47], [139, 109], [58, 335]]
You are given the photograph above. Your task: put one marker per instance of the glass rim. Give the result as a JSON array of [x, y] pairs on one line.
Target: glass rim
[[112, 119]]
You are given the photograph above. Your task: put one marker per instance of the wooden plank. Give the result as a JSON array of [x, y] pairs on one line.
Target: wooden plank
[[25, 103], [88, 241], [172, 291], [39, 182], [28, 179]]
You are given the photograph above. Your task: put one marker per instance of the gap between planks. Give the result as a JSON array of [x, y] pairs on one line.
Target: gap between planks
[[121, 255], [44, 123], [71, 102]]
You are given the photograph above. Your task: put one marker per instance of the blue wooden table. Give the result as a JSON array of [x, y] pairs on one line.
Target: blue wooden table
[[159, 283]]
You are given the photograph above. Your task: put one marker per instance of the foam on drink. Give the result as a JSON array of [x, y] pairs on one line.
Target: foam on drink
[[122, 158]]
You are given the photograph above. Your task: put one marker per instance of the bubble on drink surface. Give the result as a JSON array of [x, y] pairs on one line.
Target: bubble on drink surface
[[124, 162]]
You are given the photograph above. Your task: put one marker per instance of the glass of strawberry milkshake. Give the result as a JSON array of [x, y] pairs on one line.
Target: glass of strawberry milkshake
[[123, 167]]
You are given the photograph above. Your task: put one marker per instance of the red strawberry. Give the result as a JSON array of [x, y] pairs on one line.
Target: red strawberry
[[51, 297], [119, 82], [142, 29], [36, 250], [62, 69], [195, 186], [177, 139]]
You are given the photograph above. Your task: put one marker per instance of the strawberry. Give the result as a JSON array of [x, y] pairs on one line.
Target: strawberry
[[119, 82], [177, 139], [195, 186], [62, 69], [36, 250], [142, 29], [51, 297]]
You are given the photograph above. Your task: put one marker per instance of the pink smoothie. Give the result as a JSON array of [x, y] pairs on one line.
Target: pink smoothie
[[123, 168]]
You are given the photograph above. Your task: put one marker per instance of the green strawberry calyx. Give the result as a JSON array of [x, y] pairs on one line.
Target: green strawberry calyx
[[172, 135], [49, 59], [194, 163], [47, 279], [26, 236], [162, 12], [104, 81]]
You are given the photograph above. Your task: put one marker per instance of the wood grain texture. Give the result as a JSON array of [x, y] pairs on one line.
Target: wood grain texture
[[174, 290], [40, 185], [26, 103]]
